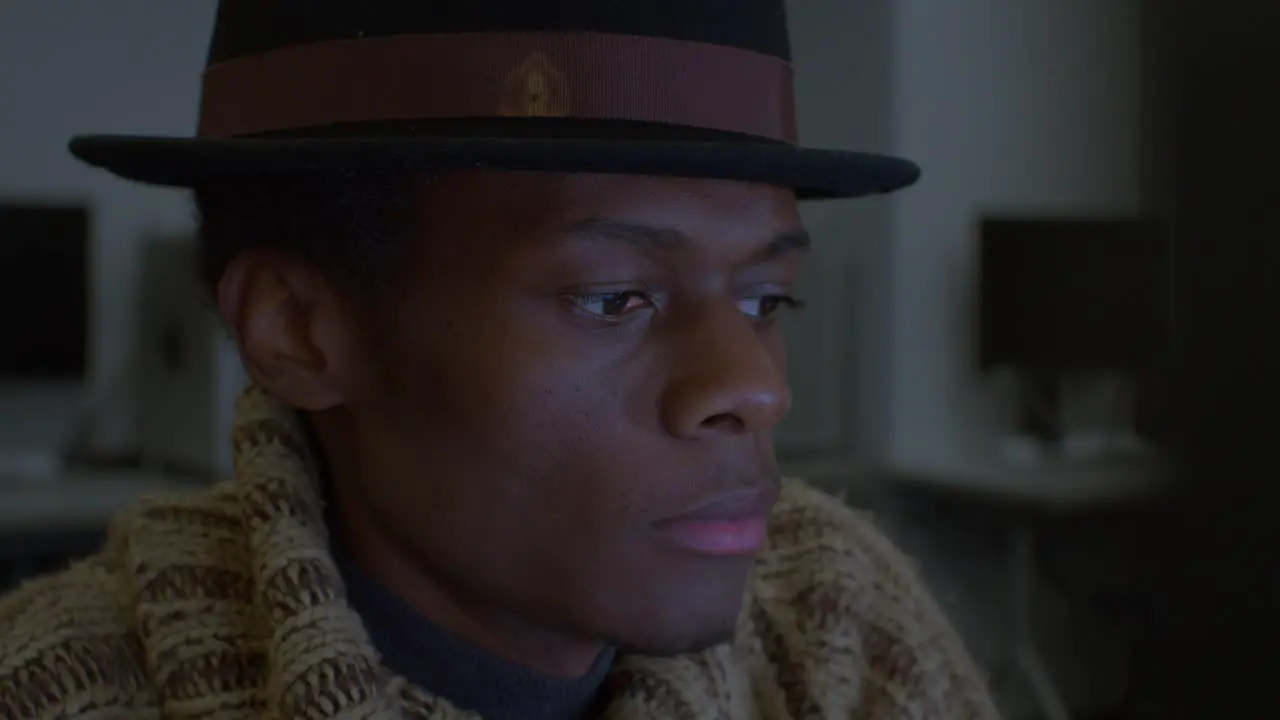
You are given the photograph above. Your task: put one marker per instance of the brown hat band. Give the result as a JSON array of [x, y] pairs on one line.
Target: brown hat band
[[590, 76]]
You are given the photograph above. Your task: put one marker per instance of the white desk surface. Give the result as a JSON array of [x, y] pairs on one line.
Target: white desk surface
[[1052, 485], [74, 502]]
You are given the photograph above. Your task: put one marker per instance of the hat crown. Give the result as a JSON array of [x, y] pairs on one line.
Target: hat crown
[[249, 27]]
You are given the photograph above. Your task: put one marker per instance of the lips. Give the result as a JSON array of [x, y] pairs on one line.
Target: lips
[[735, 505], [731, 524]]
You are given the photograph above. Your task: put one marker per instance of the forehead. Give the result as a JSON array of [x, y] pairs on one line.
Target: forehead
[[710, 213]]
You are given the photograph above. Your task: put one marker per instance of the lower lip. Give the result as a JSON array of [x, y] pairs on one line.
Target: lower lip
[[718, 537]]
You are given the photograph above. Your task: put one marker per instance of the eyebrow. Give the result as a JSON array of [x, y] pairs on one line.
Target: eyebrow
[[649, 238]]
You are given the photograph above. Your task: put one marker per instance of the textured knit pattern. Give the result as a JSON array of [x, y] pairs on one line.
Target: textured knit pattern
[[226, 604]]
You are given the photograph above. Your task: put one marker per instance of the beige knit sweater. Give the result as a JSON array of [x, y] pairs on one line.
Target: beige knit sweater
[[226, 604]]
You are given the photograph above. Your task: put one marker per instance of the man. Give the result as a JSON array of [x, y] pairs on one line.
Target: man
[[507, 280]]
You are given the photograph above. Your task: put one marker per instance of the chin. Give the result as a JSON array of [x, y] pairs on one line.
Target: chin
[[688, 623], [671, 644]]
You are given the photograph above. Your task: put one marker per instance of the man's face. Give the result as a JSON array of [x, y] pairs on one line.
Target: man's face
[[575, 363]]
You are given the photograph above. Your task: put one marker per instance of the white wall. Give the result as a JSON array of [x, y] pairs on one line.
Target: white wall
[[1007, 105], [78, 66], [839, 345]]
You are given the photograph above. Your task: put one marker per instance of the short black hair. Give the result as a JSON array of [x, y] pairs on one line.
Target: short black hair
[[351, 226]]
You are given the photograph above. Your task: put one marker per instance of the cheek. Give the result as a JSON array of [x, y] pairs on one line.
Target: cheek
[[503, 400], [541, 411], [517, 373], [776, 346], [532, 409]]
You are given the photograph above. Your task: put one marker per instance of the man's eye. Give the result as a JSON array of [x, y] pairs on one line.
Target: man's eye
[[766, 306], [612, 305]]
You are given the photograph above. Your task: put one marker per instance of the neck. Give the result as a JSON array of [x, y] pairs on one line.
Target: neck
[[481, 623]]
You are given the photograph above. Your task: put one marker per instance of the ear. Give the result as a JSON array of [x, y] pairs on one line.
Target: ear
[[292, 328]]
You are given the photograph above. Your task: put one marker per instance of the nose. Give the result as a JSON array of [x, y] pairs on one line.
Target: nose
[[729, 379]]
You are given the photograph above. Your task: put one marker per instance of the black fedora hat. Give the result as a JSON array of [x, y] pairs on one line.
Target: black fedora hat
[[694, 88]]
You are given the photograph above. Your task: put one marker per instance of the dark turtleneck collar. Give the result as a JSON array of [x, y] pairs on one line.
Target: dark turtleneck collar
[[470, 678]]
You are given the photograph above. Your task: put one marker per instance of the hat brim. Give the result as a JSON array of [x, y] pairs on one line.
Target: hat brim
[[186, 162]]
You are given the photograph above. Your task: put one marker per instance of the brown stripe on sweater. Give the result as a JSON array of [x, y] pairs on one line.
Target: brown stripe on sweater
[[300, 584], [330, 683], [194, 672], [893, 664], [653, 691], [786, 663], [268, 431], [85, 673], [175, 583], [190, 516], [714, 680], [273, 499]]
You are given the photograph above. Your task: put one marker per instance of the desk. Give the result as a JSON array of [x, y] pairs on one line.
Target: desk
[[65, 516], [75, 501], [1055, 487], [1052, 487]]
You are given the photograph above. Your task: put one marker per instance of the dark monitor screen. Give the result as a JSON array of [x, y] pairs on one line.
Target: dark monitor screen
[[1091, 294], [44, 291]]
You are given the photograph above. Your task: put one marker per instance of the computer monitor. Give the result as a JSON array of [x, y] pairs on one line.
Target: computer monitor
[[44, 292], [44, 334], [1064, 295]]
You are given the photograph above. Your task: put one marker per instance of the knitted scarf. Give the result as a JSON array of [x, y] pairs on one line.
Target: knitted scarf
[[226, 603]]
